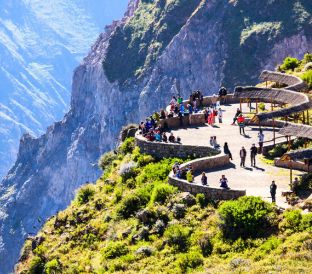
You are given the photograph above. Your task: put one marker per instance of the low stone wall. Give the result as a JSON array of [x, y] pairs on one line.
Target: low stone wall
[[295, 165], [196, 119], [166, 150], [200, 165]]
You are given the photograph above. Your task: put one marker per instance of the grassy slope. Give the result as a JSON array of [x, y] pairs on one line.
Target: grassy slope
[[144, 37], [99, 233]]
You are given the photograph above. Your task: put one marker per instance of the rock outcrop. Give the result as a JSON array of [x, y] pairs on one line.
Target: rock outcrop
[[213, 44]]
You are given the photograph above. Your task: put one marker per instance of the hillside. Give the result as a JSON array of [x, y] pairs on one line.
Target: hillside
[[132, 221], [158, 49]]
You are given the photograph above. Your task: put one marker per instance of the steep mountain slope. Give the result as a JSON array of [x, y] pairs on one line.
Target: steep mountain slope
[[132, 70], [133, 221], [40, 45]]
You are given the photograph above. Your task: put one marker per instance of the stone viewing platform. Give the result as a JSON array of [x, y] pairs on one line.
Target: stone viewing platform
[[195, 134]]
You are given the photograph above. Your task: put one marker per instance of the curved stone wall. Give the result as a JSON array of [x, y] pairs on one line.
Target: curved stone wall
[[205, 164], [166, 150], [293, 82]]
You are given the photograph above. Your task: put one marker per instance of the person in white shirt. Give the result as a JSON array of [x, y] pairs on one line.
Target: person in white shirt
[[260, 140], [220, 115]]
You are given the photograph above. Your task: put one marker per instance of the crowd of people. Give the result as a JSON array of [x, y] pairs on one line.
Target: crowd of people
[[152, 130]]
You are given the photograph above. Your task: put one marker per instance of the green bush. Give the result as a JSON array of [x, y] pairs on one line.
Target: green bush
[[132, 202], [306, 222], [247, 217], [107, 160], [201, 200], [278, 151], [307, 58], [291, 220], [141, 159], [261, 106], [156, 172], [162, 192], [290, 63], [36, 266], [205, 244], [52, 267], [189, 261], [307, 77], [85, 194], [115, 250], [127, 146], [178, 237]]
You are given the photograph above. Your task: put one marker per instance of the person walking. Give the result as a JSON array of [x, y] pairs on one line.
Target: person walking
[[242, 154], [260, 140], [204, 180], [253, 153], [227, 151], [241, 123], [273, 191], [238, 112]]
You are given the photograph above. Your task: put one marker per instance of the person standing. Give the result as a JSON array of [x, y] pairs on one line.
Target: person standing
[[260, 140], [227, 151], [273, 191], [242, 154], [253, 153], [204, 180], [241, 123], [238, 112], [220, 114]]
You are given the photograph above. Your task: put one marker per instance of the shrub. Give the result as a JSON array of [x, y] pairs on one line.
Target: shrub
[[141, 159], [156, 171], [178, 237], [85, 194], [261, 106], [246, 217], [127, 146], [278, 151], [52, 267], [306, 222], [307, 58], [162, 192], [115, 250], [205, 244], [36, 266], [291, 220], [107, 159], [190, 261], [308, 66], [127, 171], [132, 202], [307, 77], [201, 200], [290, 63]]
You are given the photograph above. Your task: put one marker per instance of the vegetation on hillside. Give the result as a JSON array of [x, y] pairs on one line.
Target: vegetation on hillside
[[132, 221], [135, 46]]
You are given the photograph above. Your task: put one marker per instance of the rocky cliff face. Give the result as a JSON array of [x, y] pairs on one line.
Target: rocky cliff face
[[179, 46]]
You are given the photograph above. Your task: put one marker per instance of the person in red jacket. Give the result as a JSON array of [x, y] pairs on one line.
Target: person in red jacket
[[241, 123]]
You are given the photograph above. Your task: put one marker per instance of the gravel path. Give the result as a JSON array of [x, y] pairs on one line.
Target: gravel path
[[256, 180]]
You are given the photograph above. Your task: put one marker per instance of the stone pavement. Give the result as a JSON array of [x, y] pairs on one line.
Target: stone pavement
[[255, 180]]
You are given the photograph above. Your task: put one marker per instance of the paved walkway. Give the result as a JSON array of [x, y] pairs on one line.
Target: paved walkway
[[256, 180]]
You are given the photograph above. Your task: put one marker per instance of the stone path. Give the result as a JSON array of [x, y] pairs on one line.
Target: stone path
[[256, 180]]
